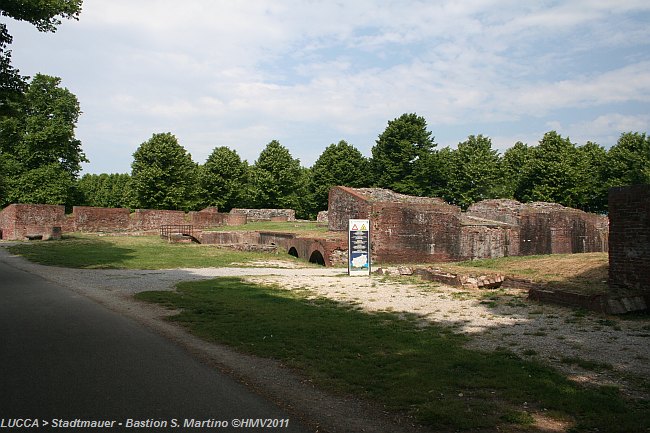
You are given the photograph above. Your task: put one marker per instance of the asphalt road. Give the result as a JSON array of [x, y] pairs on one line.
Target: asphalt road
[[64, 357]]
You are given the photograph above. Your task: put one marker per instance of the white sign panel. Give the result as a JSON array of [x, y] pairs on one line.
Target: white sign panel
[[359, 247]]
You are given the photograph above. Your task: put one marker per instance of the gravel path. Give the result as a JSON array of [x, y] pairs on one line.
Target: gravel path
[[615, 351]]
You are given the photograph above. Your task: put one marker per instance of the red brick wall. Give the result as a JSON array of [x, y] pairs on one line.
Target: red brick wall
[[99, 219], [629, 239], [409, 232], [209, 218], [346, 204], [486, 242], [22, 220], [547, 228], [149, 219]]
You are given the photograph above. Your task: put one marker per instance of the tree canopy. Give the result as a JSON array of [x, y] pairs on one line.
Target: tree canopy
[[400, 152], [40, 143], [224, 179], [475, 172], [340, 164], [44, 14], [277, 180], [163, 174]]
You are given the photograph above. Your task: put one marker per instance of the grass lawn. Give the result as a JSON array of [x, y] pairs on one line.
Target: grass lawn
[[300, 228], [131, 252], [585, 273], [423, 371]]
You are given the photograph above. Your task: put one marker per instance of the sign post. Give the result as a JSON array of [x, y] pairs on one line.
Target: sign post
[[358, 247]]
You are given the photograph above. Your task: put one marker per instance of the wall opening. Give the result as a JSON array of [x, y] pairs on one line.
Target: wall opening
[[317, 257], [293, 252]]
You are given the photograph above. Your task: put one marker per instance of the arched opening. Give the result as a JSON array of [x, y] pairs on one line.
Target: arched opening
[[317, 257], [293, 252]]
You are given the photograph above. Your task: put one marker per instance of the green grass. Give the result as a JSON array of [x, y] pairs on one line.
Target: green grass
[[130, 252], [584, 273], [426, 372], [301, 228]]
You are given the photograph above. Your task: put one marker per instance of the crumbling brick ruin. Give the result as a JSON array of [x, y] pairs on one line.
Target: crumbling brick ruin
[[629, 241], [31, 221], [418, 229], [266, 214]]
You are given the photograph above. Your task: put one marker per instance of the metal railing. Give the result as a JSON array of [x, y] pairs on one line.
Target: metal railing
[[168, 231]]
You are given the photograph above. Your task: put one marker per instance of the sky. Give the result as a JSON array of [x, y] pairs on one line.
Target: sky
[[310, 73]]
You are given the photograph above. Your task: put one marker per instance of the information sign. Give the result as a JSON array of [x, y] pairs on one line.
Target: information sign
[[359, 247]]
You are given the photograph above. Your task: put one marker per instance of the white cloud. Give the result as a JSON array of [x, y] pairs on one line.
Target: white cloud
[[314, 72]]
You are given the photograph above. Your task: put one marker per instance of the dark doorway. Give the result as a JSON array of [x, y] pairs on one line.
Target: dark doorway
[[317, 257]]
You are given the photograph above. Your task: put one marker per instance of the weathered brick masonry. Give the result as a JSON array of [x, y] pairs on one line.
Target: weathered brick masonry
[[629, 240], [545, 228], [266, 214], [419, 229], [22, 221]]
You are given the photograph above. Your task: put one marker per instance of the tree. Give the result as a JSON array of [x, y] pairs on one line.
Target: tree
[[106, 190], [12, 84], [401, 152], [514, 162], [163, 174], [592, 186], [46, 16], [224, 178], [552, 173], [475, 170], [47, 184], [628, 162], [42, 137], [340, 164], [51, 117], [277, 180]]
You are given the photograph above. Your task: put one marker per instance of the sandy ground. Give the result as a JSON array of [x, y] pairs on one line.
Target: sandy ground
[[492, 319]]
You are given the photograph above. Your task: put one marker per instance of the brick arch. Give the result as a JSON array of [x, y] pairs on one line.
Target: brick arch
[[317, 257], [312, 250]]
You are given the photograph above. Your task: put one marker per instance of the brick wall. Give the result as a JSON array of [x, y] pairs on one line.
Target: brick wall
[[345, 204], [147, 219], [411, 232], [546, 228], [487, 242], [21, 221], [266, 214], [17, 221], [210, 217], [408, 229], [99, 219], [629, 239]]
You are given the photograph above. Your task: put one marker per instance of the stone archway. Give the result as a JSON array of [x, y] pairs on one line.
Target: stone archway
[[293, 252], [317, 257]]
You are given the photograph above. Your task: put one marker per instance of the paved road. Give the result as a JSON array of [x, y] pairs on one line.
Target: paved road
[[63, 356]]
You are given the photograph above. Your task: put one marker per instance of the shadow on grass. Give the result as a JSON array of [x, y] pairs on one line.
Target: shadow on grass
[[425, 371], [76, 252], [590, 282]]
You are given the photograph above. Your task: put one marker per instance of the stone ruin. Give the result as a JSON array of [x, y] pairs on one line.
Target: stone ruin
[[407, 229], [629, 246], [38, 221]]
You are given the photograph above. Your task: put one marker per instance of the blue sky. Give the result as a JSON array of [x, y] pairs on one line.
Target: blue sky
[[310, 73]]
